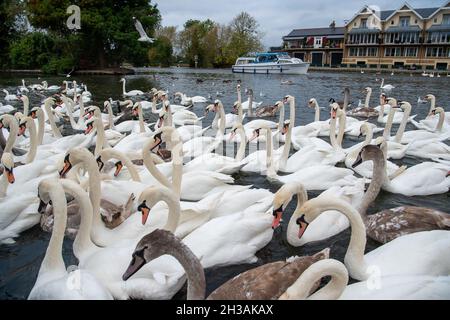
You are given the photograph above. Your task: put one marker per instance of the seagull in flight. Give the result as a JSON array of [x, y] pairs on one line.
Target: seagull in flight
[[144, 37]]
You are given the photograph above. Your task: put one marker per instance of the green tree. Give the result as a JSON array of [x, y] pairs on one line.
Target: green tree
[[11, 27], [107, 36], [193, 41], [161, 54], [245, 36]]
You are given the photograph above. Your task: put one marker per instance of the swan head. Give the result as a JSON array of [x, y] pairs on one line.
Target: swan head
[[135, 109], [50, 101], [282, 198], [430, 97], [89, 126], [73, 157], [233, 132], [122, 80], [44, 189], [404, 105], [22, 125], [210, 108], [277, 105], [334, 110], [313, 102], [285, 128], [34, 112], [256, 134], [363, 129], [369, 152], [367, 90], [8, 165], [148, 199], [288, 99], [150, 247]]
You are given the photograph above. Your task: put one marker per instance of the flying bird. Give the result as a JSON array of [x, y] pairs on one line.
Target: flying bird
[[144, 37]]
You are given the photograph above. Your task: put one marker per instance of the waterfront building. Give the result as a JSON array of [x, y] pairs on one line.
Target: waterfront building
[[318, 46], [411, 38], [407, 37]]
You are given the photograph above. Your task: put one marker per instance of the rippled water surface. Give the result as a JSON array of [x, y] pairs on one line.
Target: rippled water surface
[[20, 262]]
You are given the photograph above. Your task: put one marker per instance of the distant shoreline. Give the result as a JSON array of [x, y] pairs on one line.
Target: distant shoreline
[[174, 69]]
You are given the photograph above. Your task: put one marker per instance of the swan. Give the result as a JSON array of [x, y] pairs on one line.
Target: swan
[[365, 169], [133, 126], [6, 108], [392, 223], [364, 111], [50, 88], [186, 101], [23, 88], [53, 278], [395, 149], [73, 90], [437, 133], [230, 118], [421, 253], [246, 104], [398, 116], [386, 87], [327, 225], [319, 177], [179, 118], [220, 163], [269, 281], [9, 97], [431, 122], [131, 93]]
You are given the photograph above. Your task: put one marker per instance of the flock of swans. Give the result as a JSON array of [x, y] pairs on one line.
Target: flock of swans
[[151, 205]]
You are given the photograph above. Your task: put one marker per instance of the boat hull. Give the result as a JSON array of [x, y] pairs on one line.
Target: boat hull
[[265, 68]]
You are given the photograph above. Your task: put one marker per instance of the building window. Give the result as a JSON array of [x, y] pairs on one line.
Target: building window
[[415, 21], [446, 19], [392, 22], [404, 21], [362, 52], [372, 52], [410, 52], [352, 52], [364, 23], [437, 52]]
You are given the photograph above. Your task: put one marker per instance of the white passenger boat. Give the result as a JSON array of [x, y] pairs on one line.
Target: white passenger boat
[[270, 62]]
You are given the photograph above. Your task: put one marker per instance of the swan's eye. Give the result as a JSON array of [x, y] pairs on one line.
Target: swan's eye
[[301, 219]]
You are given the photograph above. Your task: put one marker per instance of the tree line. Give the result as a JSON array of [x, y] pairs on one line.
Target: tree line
[[34, 35]]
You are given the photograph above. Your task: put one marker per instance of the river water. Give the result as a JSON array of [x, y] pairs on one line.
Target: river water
[[20, 262]]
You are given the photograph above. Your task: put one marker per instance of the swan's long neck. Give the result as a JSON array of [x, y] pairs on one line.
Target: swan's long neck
[[401, 129], [241, 151], [101, 141], [378, 178], [81, 118], [302, 197], [33, 140], [240, 113], [441, 119], [281, 117], [126, 161], [69, 111], [336, 140], [110, 115], [82, 243], [302, 287], [26, 105], [317, 112], [250, 104], [173, 203], [388, 126], [123, 87], [51, 119], [354, 257], [41, 125], [194, 271], [346, 98], [141, 119], [53, 260], [432, 103], [3, 185], [381, 113], [11, 122], [286, 147], [271, 172], [366, 103], [154, 110]]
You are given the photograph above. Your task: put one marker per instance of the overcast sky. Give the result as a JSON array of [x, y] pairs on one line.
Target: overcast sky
[[276, 18]]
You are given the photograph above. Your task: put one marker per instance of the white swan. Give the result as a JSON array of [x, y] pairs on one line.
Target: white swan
[[186, 101], [6, 108], [131, 93], [9, 97], [386, 87], [54, 281], [421, 253]]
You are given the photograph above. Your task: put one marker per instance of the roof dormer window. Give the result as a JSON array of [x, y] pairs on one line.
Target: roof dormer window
[[404, 21], [446, 19], [363, 23]]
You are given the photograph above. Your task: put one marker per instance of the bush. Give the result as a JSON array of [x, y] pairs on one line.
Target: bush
[[31, 51], [58, 65]]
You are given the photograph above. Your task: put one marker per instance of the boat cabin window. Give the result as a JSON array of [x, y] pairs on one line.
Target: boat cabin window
[[266, 58]]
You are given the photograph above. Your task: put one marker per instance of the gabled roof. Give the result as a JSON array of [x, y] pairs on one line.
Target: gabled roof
[[366, 10], [316, 32], [405, 6]]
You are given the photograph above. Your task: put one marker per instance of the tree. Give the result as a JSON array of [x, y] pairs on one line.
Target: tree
[[245, 35], [194, 41], [107, 35], [162, 52], [11, 26]]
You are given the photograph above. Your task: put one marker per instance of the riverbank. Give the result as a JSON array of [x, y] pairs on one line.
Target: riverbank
[[147, 70]]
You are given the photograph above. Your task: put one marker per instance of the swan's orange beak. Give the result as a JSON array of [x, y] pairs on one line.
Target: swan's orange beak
[[232, 135], [10, 176], [66, 168], [284, 130], [119, 167], [22, 129], [277, 214], [333, 113], [33, 114], [160, 121], [88, 129], [255, 135], [302, 225], [135, 112]]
